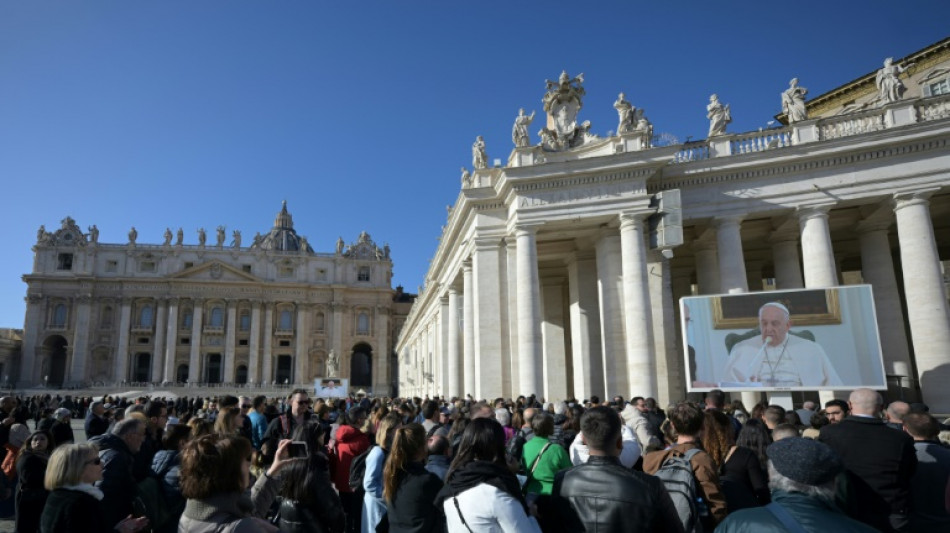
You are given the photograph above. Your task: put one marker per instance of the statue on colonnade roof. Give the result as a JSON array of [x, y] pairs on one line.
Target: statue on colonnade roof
[[562, 101]]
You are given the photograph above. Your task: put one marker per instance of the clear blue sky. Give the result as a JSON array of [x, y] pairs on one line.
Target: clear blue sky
[[360, 114]]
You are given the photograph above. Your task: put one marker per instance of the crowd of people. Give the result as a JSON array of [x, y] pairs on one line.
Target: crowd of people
[[300, 464]]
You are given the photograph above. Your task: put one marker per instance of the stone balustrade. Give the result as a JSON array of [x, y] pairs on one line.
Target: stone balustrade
[[853, 124], [761, 140], [933, 108]]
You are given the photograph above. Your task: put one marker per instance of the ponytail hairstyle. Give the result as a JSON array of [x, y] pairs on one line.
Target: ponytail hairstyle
[[408, 443]]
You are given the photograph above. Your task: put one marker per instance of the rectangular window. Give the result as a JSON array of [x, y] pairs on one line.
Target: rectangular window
[[242, 342], [64, 262], [940, 87], [189, 264], [245, 322], [363, 274], [185, 340], [284, 344], [246, 268], [147, 266], [142, 340], [112, 265]]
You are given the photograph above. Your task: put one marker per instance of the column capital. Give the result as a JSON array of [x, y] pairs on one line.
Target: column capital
[[806, 212], [467, 266], [909, 198], [526, 228], [487, 242], [173, 300], [727, 220]]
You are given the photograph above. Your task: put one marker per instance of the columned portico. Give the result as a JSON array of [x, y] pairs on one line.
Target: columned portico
[[788, 272], [587, 357], [924, 286], [732, 273], [638, 318], [452, 366], [610, 292], [817, 252], [529, 313], [267, 363], [468, 318]]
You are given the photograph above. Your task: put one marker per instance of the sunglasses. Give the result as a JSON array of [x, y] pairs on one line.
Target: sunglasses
[[96, 461]]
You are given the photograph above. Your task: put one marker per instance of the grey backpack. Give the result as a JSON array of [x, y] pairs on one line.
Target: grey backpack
[[678, 478]]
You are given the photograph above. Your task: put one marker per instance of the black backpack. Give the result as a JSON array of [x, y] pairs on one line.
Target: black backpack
[[515, 449], [358, 470]]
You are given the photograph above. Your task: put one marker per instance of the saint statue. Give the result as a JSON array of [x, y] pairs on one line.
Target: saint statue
[[168, 237], [180, 237], [364, 237], [479, 156], [627, 115], [386, 250], [41, 234], [236, 234], [220, 236], [257, 239], [133, 234], [93, 234], [466, 177], [333, 364], [718, 115], [519, 132], [339, 246], [202, 237], [889, 85], [793, 102]]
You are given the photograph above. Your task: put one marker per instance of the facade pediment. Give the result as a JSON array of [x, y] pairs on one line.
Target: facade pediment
[[215, 270]]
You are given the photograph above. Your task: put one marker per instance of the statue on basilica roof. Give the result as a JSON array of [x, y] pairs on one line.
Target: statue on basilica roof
[[479, 156], [719, 116], [793, 102], [888, 81], [202, 237], [236, 235], [220, 237], [168, 237], [133, 234], [93, 234], [179, 237]]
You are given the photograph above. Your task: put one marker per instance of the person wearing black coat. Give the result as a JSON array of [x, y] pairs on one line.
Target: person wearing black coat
[[408, 488], [310, 504], [116, 450], [880, 463], [31, 470]]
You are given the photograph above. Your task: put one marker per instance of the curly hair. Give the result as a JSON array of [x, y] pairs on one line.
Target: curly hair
[[718, 436]]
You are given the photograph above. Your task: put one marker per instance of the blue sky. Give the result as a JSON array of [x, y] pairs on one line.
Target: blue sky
[[199, 113]]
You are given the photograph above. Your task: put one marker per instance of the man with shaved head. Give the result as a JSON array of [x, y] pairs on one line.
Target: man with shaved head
[[895, 413], [879, 463]]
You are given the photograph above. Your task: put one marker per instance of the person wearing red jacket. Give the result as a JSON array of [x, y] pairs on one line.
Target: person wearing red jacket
[[349, 441]]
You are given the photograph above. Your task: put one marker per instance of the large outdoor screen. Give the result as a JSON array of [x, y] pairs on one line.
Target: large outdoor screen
[[331, 387], [811, 339]]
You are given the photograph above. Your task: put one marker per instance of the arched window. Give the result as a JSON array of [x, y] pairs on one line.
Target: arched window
[[145, 319], [217, 317], [59, 316], [286, 320], [362, 324]]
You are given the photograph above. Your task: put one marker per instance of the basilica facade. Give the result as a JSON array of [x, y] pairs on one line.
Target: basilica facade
[[274, 312], [559, 273]]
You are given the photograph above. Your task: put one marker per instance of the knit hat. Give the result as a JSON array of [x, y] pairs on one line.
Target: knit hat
[[60, 413], [18, 435], [804, 460]]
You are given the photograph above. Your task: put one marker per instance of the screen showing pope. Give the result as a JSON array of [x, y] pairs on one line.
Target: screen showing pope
[[778, 358]]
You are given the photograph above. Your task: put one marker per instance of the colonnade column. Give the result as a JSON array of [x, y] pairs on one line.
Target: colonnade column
[[553, 324], [230, 340], [34, 315], [454, 387], [610, 292], [707, 264], [924, 290], [382, 377], [732, 273], [486, 266], [669, 364], [638, 316], [80, 345], [122, 351], [267, 358], [530, 367], [511, 278], [788, 270], [877, 268], [158, 355], [585, 326], [818, 255], [443, 353], [194, 357], [171, 341], [468, 321], [254, 344], [302, 336]]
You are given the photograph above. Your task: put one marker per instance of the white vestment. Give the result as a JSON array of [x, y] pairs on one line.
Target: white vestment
[[797, 362]]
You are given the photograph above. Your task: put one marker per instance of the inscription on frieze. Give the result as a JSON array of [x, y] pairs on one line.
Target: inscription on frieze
[[597, 192]]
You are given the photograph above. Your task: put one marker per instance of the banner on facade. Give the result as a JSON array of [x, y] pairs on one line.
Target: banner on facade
[[330, 387], [810, 339]]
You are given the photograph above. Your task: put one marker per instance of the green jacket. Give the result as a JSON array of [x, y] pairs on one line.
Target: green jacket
[[554, 460]]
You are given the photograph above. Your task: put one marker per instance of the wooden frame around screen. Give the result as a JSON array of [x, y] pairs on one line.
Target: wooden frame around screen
[[807, 308]]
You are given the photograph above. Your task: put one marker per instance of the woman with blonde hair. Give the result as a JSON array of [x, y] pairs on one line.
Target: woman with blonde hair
[[374, 507], [73, 504], [229, 422], [408, 488]]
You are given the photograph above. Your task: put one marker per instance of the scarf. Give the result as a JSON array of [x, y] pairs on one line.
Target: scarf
[[87, 488], [477, 472]]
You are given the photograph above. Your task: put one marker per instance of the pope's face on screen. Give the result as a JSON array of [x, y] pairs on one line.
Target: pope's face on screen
[[772, 323]]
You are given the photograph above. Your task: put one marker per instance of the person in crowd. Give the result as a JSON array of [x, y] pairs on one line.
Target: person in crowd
[[374, 506], [634, 418], [571, 427], [230, 421], [503, 416], [283, 426], [784, 431], [879, 462], [310, 505], [166, 467], [200, 427], [481, 493], [430, 414], [215, 473], [31, 495], [96, 422], [156, 416], [687, 419], [117, 450], [74, 504], [438, 455], [806, 412], [560, 417], [349, 442], [258, 421], [773, 416], [601, 494], [19, 435], [755, 436], [933, 474], [836, 410], [741, 476], [802, 478], [895, 413], [408, 487], [715, 400], [818, 421], [459, 424], [61, 429], [542, 458]]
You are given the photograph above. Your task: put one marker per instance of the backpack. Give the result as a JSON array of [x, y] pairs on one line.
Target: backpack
[[433, 429], [680, 482], [515, 449], [358, 470]]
